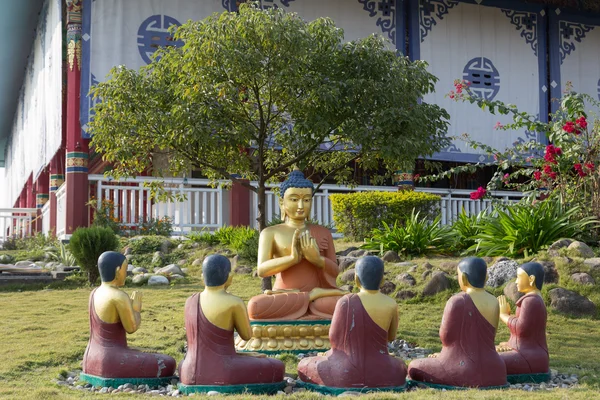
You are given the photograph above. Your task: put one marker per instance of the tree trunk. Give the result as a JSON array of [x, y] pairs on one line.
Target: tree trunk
[[261, 218]]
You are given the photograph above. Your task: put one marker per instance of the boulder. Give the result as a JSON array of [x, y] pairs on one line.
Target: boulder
[[412, 269], [175, 277], [438, 283], [569, 302], [498, 259], [511, 292], [391, 256], [243, 270], [140, 279], [387, 287], [181, 246], [165, 246], [405, 294], [406, 279], [358, 253], [582, 278], [158, 258], [348, 276], [139, 270], [184, 270], [501, 272], [183, 261], [553, 250], [448, 266], [127, 251], [592, 262], [129, 257], [197, 262], [346, 262], [580, 249], [427, 265], [157, 280], [550, 272], [130, 269], [170, 270], [426, 274], [24, 264], [348, 250]]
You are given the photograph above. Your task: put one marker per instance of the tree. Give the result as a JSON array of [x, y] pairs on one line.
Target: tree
[[251, 94]]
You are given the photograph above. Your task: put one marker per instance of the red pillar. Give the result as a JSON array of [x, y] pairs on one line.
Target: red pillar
[[239, 205], [77, 148]]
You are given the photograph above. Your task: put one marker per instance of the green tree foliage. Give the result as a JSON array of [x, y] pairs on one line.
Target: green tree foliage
[[87, 244], [253, 93]]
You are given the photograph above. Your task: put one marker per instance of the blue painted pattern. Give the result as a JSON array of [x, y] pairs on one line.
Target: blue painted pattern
[[570, 33], [452, 149], [430, 11], [226, 5], [526, 22], [385, 10], [154, 33], [483, 76]]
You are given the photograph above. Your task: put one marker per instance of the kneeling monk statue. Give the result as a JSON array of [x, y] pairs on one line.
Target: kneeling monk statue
[[362, 325], [302, 258], [107, 360], [211, 362], [468, 357], [526, 353]]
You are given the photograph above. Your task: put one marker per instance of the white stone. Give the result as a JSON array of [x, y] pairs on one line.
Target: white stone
[[213, 393], [158, 280], [171, 269]]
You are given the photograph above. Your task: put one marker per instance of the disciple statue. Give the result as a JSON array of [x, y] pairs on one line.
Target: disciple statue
[[113, 314], [526, 353], [210, 319], [362, 325], [302, 258], [468, 357]]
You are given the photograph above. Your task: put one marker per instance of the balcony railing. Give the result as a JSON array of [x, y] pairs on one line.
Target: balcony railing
[[16, 222]]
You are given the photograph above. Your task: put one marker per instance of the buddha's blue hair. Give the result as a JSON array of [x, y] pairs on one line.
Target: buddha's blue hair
[[296, 179]]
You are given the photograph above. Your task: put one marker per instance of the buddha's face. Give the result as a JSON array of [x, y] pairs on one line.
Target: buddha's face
[[296, 203], [525, 283]]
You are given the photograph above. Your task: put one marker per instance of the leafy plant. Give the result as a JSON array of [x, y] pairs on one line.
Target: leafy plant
[[104, 215], [415, 237], [156, 227], [61, 254], [145, 244], [203, 237], [526, 228], [87, 244], [467, 228]]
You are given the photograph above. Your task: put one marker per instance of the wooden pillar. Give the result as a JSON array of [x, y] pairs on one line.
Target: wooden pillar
[[239, 205], [77, 147]]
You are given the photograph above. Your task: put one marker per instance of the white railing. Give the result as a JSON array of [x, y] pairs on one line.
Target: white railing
[[204, 207], [16, 222], [46, 218], [61, 211]]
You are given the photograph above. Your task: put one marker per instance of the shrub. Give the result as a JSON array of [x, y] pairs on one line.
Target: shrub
[[104, 215], [203, 237], [357, 214], [241, 239], [145, 244], [526, 228], [415, 237], [466, 228], [87, 244], [156, 227]]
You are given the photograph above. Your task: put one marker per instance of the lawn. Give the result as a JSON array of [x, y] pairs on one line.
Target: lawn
[[45, 331]]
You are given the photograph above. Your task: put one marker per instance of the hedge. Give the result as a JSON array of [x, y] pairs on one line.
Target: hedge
[[357, 214]]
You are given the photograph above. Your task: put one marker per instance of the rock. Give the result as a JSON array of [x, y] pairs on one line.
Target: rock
[[550, 271], [158, 258], [129, 257], [182, 262], [24, 264], [391, 256], [127, 251], [387, 287], [40, 264], [501, 272], [181, 246], [488, 260], [412, 269], [511, 292], [139, 270], [213, 393], [185, 270], [438, 283], [157, 280], [498, 259], [405, 294], [358, 253], [130, 269], [348, 250], [347, 288], [427, 265], [242, 270], [175, 277], [582, 278], [170, 270], [425, 275], [165, 246], [559, 244], [348, 276], [580, 249], [592, 262], [569, 302], [197, 262], [140, 279], [346, 262], [405, 264], [406, 279], [448, 266]]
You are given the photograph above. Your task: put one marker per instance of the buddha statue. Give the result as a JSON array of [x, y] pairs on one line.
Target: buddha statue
[[302, 258], [526, 353], [211, 362], [362, 325], [468, 357], [107, 360]]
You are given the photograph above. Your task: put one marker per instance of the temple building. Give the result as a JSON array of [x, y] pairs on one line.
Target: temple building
[[519, 52]]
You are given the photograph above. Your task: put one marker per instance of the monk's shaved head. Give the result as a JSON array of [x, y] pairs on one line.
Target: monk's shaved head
[[215, 270], [369, 271], [475, 269]]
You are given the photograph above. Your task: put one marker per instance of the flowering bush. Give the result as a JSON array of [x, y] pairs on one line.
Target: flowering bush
[[156, 227], [105, 215]]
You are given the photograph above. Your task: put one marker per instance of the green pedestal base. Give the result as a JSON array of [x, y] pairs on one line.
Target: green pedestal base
[[251, 388], [116, 382], [528, 378], [335, 391], [419, 384]]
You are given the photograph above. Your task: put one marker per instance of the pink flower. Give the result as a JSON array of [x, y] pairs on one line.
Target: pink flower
[[478, 194], [581, 122], [590, 166], [547, 169], [416, 177], [498, 125], [569, 127], [577, 167], [552, 175], [537, 175]]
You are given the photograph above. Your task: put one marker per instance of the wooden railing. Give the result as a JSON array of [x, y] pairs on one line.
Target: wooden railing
[[16, 222]]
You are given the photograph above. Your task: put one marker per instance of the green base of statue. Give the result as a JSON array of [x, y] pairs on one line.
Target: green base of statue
[[425, 385], [528, 378], [335, 391], [255, 388], [99, 381]]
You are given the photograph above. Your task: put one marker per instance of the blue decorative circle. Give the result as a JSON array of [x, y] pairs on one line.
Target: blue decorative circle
[[483, 76], [154, 33]]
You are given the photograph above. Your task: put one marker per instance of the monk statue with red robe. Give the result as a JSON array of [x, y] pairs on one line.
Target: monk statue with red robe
[[362, 325], [302, 258], [211, 362], [526, 353], [107, 360], [468, 357]]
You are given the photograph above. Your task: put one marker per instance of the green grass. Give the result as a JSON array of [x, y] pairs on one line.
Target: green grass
[[45, 331]]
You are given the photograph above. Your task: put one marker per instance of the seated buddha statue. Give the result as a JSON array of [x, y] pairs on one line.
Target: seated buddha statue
[[468, 357], [526, 352], [362, 325], [210, 319], [302, 258], [113, 314]]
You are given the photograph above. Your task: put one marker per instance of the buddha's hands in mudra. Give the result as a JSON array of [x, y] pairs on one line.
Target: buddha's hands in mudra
[[310, 249], [504, 306], [136, 301]]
